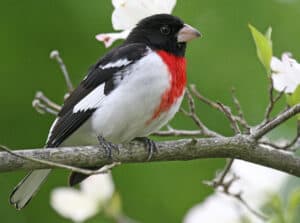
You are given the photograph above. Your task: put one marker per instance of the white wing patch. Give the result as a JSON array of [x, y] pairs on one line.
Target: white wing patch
[[118, 63], [92, 100]]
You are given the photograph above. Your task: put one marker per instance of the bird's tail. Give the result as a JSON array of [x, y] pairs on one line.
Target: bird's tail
[[28, 187]]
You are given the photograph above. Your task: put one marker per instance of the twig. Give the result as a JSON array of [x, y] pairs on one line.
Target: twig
[[272, 101], [104, 169], [55, 55], [260, 132], [43, 105], [234, 125], [240, 111], [289, 146], [192, 114], [273, 145], [225, 188], [215, 105], [236, 129], [233, 122], [226, 170], [219, 180], [178, 132], [40, 96], [251, 209], [237, 104], [42, 108], [232, 119]]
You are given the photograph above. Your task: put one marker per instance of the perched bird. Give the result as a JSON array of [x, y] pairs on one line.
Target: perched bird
[[132, 91]]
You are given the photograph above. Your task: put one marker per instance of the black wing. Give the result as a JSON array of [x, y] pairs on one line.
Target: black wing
[[69, 121]]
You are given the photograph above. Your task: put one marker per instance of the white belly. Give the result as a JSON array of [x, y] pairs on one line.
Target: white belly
[[123, 114]]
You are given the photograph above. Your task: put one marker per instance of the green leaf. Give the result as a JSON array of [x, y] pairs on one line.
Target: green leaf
[[263, 46], [114, 207], [294, 98], [294, 200], [268, 35], [276, 208], [293, 205]]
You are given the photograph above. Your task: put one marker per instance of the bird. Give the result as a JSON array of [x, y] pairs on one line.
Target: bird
[[131, 92]]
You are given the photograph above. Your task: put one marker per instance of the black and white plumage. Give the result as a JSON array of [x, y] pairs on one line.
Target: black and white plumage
[[102, 78], [122, 96]]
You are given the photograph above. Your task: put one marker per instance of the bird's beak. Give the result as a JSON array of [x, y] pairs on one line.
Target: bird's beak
[[187, 33]]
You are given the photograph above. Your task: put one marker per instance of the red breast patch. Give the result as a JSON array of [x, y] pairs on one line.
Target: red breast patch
[[177, 71]]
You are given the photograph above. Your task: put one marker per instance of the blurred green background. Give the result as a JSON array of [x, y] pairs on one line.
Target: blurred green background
[[224, 57]]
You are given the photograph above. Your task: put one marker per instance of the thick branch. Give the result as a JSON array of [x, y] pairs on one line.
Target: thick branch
[[239, 147]]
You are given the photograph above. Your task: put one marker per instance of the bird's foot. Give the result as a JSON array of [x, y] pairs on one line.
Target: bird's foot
[[150, 144], [108, 147]]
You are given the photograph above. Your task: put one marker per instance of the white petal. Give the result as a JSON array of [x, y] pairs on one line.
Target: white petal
[[109, 38], [129, 12], [118, 3], [284, 81], [100, 187], [256, 184], [276, 65], [72, 204], [217, 208], [256, 194], [285, 73], [166, 6]]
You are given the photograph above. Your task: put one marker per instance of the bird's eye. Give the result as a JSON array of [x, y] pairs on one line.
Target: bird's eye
[[165, 30]]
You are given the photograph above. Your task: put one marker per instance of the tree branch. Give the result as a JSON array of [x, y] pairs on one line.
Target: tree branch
[[260, 132], [55, 56], [272, 101], [240, 147]]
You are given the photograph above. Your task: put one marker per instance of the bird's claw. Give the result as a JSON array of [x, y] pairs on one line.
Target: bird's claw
[[108, 147], [150, 144]]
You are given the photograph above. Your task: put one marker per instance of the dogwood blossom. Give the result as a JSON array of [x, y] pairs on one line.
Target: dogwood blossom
[[79, 205], [285, 73], [127, 13], [215, 208], [256, 187]]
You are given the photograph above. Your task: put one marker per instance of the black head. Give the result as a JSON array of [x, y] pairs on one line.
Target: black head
[[163, 32]]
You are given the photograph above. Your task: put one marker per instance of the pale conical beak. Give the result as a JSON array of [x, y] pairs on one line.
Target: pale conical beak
[[187, 33]]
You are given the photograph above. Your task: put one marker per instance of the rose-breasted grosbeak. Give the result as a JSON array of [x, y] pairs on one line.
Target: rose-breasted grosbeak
[[132, 91]]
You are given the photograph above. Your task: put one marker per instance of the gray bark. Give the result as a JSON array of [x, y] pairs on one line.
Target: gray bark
[[238, 147]]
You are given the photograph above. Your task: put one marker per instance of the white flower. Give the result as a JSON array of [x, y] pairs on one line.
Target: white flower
[[285, 73], [82, 204], [128, 13], [215, 208], [99, 187], [73, 204], [109, 38], [256, 183]]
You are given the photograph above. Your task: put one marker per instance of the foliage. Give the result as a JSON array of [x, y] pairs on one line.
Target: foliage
[[263, 46]]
